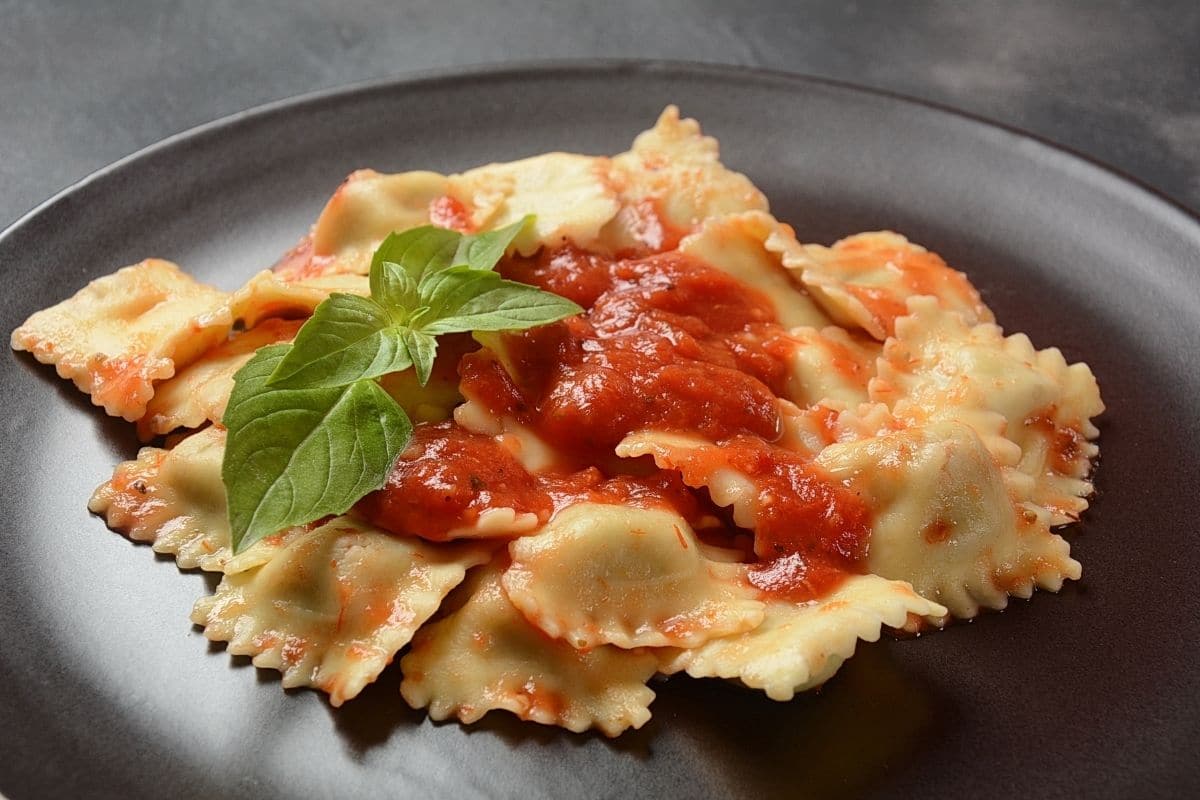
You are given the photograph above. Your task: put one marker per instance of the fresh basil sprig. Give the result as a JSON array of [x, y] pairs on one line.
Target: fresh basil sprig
[[310, 432]]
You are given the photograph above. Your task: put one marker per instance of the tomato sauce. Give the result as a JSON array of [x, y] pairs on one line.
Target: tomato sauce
[[448, 212], [797, 578], [448, 476], [302, 262], [665, 343]]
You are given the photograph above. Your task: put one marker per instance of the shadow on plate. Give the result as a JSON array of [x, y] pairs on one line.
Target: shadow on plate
[[119, 436], [866, 725]]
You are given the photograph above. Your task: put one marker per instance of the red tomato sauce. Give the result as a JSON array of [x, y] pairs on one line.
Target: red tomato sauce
[[301, 262], [448, 212], [448, 476], [800, 509], [666, 343]]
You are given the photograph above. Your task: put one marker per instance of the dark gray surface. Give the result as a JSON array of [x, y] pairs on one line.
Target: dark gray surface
[[110, 693], [84, 83]]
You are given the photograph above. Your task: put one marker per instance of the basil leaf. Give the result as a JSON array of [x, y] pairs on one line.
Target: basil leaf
[[348, 338], [444, 292], [423, 349], [484, 250], [462, 299], [392, 287], [296, 455], [417, 251]]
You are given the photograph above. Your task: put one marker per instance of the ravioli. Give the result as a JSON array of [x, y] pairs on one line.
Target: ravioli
[[744, 455], [1033, 408], [267, 295], [728, 487], [799, 646], [570, 196], [174, 499], [363, 211], [947, 521], [199, 392], [671, 180], [865, 279], [740, 244], [486, 656], [333, 606], [830, 365], [633, 577], [120, 334]]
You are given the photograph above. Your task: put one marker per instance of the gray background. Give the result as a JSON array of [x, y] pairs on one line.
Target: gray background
[[84, 83]]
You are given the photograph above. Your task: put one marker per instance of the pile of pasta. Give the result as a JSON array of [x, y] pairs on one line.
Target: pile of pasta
[[968, 446]]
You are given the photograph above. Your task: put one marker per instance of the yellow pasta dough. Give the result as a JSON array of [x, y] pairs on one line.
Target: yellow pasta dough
[[174, 499], [331, 607], [486, 655], [799, 646], [634, 577], [939, 367], [830, 366], [946, 520], [865, 279], [365, 209], [121, 333], [199, 392], [677, 171], [738, 244], [570, 195]]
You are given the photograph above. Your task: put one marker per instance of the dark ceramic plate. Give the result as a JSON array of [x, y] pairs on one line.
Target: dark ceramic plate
[[108, 691]]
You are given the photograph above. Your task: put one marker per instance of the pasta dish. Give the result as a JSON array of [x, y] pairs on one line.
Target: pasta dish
[[543, 430]]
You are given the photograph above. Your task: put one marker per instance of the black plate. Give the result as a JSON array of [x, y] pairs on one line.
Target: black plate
[[108, 690]]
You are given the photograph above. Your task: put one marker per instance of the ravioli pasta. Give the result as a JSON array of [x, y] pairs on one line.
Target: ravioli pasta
[[601, 574], [122, 333], [331, 607], [486, 656], [746, 455], [801, 645]]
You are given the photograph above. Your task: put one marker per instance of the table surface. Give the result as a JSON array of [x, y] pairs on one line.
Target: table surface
[[84, 83]]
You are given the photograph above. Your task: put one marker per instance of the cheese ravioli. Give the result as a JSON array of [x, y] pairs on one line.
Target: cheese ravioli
[[331, 607]]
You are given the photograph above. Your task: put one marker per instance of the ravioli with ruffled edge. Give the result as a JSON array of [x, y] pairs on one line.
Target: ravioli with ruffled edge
[[744, 457]]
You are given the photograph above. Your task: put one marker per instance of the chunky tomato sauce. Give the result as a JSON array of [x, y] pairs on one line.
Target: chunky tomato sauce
[[448, 476], [666, 343]]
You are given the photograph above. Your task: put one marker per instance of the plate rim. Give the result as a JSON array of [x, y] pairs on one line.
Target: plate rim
[[1113, 176]]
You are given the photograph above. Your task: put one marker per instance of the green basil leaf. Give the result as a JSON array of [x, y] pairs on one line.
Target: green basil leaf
[[462, 299], [417, 251], [296, 455], [393, 288], [484, 250], [446, 291], [348, 338], [423, 349]]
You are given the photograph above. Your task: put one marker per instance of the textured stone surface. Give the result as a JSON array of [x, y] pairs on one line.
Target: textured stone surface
[[84, 83]]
